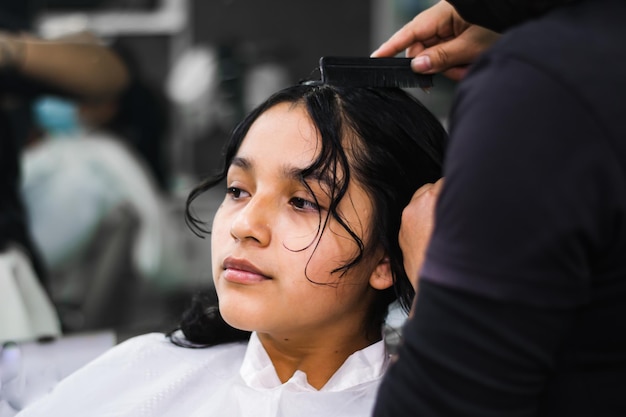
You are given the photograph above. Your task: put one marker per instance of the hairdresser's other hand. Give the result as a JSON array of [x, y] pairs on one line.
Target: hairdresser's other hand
[[439, 40], [418, 219]]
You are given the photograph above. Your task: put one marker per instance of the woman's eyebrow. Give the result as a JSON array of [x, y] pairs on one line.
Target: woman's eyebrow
[[241, 162], [290, 172], [295, 174]]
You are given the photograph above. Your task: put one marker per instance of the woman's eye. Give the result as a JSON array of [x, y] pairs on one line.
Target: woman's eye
[[303, 204], [236, 193]]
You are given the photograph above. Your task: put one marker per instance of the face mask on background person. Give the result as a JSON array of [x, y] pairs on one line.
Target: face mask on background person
[[56, 116]]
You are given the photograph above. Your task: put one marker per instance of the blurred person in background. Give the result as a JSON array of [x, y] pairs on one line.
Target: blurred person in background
[[29, 67], [80, 158]]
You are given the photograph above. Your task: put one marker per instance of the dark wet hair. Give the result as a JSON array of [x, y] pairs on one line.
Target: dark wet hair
[[395, 145]]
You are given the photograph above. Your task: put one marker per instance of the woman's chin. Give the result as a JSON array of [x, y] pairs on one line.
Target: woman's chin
[[239, 319]]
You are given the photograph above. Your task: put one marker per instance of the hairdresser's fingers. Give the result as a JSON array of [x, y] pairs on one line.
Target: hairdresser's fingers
[[418, 219], [453, 56], [429, 25], [398, 42], [456, 73]]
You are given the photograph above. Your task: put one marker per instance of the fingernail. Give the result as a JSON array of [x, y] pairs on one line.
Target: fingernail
[[421, 63]]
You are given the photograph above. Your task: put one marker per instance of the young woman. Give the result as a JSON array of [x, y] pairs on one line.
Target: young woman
[[305, 256]]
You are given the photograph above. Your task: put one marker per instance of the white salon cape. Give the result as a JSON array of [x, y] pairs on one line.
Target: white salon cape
[[148, 376]]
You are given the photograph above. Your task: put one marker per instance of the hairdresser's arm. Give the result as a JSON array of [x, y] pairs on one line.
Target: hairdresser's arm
[[440, 40], [465, 355], [77, 64], [418, 219]]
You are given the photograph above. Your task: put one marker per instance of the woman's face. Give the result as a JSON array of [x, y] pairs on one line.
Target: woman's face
[[265, 238]]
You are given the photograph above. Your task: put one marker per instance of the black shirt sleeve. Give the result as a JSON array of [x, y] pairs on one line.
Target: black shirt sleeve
[[467, 355], [532, 189], [499, 15]]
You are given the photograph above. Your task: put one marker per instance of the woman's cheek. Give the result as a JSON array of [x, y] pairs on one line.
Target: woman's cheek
[[297, 232]]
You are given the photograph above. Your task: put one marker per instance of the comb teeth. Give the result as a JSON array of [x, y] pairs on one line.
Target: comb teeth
[[372, 72]]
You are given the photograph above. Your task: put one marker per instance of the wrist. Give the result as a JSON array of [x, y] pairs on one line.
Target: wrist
[[11, 51]]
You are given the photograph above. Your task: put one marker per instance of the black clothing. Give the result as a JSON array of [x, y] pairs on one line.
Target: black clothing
[[16, 95], [14, 123], [12, 218], [503, 14], [18, 15], [522, 298], [463, 364]]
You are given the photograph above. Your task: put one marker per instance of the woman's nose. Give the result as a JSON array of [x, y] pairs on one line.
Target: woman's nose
[[252, 223]]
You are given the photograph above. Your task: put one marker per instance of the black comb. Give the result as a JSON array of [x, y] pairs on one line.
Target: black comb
[[372, 72]]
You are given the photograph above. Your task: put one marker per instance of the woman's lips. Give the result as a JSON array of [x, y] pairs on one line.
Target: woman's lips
[[242, 272]]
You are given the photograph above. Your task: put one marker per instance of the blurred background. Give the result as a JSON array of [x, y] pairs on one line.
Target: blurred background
[[108, 218]]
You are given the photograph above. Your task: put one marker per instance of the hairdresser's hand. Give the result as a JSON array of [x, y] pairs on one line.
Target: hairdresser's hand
[[418, 219], [440, 40]]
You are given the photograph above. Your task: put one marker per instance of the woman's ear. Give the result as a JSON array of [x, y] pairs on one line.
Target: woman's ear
[[381, 277]]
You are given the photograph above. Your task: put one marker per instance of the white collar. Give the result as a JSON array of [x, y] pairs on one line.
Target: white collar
[[363, 366]]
